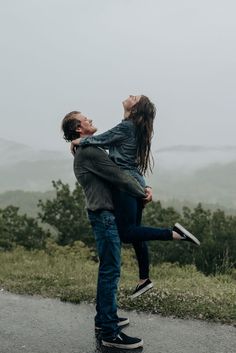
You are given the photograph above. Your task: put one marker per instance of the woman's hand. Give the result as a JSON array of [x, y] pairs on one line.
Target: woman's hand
[[148, 198], [73, 145]]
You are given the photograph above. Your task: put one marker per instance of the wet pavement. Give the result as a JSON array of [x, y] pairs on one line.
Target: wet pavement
[[38, 325]]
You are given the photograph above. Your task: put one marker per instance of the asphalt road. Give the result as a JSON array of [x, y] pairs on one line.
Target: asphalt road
[[38, 325]]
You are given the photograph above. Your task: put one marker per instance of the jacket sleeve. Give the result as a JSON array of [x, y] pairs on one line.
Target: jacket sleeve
[[101, 165], [111, 137]]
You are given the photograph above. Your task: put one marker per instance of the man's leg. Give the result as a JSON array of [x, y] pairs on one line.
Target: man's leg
[[108, 247]]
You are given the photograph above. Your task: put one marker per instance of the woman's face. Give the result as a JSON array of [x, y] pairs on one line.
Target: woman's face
[[129, 102]]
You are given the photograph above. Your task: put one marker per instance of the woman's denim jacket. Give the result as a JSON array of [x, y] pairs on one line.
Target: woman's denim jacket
[[122, 146]]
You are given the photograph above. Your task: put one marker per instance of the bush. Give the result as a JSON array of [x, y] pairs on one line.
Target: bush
[[67, 214], [215, 230], [21, 230]]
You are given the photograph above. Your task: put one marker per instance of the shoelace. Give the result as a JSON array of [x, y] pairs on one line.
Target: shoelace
[[118, 336]]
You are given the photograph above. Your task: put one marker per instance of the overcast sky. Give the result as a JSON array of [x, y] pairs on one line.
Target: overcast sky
[[63, 55]]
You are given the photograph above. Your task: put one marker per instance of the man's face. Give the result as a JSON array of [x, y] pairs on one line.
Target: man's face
[[86, 126], [129, 102]]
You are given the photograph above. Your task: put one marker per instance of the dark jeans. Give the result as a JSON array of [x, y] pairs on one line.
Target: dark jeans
[[140, 247], [108, 247], [127, 211]]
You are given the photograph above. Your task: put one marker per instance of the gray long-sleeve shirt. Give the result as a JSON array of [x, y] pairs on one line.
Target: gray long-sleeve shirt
[[96, 173]]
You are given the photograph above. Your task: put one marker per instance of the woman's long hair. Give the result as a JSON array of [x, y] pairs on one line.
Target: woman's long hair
[[143, 114]]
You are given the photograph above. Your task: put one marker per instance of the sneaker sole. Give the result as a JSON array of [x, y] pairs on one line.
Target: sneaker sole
[[141, 291], [123, 346], [123, 323], [188, 234]]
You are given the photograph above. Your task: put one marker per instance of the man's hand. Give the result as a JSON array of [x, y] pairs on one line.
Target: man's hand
[[148, 198], [73, 145]]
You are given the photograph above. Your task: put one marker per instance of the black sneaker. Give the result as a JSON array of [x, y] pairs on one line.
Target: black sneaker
[[123, 341], [185, 234], [123, 321], [142, 288]]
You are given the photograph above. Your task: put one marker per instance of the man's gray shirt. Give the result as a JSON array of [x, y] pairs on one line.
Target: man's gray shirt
[[96, 173]]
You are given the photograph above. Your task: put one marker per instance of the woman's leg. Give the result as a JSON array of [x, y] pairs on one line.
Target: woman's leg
[[126, 216], [141, 248], [141, 251]]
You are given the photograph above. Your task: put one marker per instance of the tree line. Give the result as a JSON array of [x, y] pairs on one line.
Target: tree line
[[64, 219]]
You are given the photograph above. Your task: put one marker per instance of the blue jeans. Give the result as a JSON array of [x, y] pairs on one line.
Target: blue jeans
[[108, 247], [135, 173]]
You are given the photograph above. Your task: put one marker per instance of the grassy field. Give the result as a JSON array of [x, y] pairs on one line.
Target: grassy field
[[69, 273]]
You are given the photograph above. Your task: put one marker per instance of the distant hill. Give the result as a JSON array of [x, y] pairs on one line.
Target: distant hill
[[35, 176], [189, 158], [214, 184], [25, 168], [197, 148], [12, 153], [26, 200], [190, 173]]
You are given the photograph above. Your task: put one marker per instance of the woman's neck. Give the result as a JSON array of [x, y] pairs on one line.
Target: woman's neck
[[126, 114]]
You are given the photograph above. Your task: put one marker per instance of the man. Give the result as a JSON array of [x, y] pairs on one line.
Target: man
[[96, 174]]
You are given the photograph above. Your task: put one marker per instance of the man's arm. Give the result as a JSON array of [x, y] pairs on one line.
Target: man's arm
[[101, 165]]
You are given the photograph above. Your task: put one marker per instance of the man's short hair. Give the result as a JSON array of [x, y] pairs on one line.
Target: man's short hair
[[69, 125]]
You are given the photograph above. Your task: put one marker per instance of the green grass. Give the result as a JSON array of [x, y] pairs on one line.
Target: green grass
[[69, 273]]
